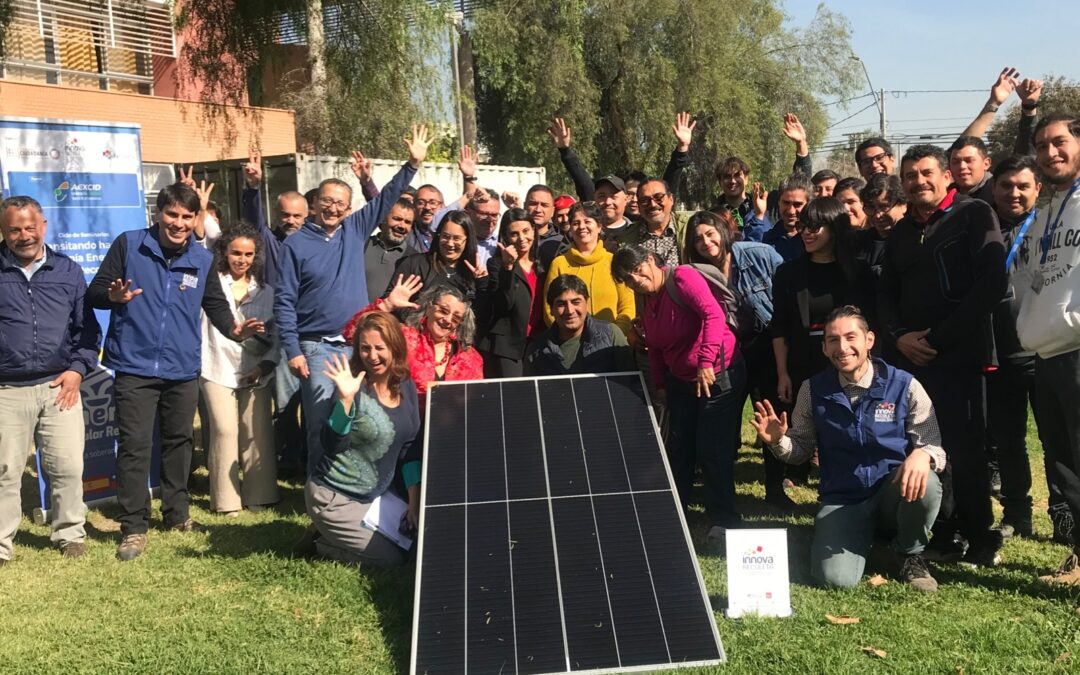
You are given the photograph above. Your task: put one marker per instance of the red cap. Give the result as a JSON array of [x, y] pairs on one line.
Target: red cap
[[564, 202]]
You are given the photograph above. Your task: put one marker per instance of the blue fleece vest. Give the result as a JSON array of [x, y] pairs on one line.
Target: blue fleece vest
[[858, 447], [158, 333]]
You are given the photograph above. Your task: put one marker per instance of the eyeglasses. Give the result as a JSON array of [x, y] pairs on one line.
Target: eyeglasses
[[424, 203], [452, 238], [876, 159], [875, 209], [657, 198], [812, 228], [444, 312], [326, 201]]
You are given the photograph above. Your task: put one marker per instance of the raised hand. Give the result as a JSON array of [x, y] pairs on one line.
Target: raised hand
[[770, 427], [187, 179], [203, 190], [418, 144], [120, 292], [253, 169], [1006, 83], [339, 371], [511, 199], [1029, 91], [467, 163], [361, 166], [478, 271], [683, 130], [560, 133], [401, 295], [761, 200], [509, 255], [242, 331], [793, 129]]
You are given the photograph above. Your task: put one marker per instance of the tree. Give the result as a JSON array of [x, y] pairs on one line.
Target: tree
[[841, 157], [619, 70], [1059, 95]]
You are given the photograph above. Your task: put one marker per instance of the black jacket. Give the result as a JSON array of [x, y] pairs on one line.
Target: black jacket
[[422, 265], [503, 308], [946, 275]]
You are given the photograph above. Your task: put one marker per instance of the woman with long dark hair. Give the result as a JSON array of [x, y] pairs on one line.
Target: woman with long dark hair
[[235, 381], [511, 306], [371, 429], [808, 288], [451, 260]]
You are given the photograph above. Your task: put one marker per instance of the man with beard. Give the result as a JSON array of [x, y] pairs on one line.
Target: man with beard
[[942, 275], [387, 246], [429, 200], [660, 231], [879, 446], [562, 213], [795, 191]]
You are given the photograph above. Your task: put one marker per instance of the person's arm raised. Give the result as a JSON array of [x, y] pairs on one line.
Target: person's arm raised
[[560, 136], [368, 218], [999, 93]]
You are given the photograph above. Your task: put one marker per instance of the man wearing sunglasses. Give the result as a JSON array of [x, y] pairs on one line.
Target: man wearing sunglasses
[[660, 231]]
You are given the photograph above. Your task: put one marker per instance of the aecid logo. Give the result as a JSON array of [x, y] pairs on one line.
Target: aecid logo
[[757, 559], [61, 191], [77, 191]]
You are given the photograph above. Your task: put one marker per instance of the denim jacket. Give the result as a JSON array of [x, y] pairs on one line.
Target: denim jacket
[[756, 263]]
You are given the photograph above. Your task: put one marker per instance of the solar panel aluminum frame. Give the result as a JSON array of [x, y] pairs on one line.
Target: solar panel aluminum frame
[[677, 506]]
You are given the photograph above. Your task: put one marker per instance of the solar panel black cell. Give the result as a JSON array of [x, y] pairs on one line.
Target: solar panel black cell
[[441, 635], [486, 480], [489, 596], [597, 423], [540, 646], [525, 465], [445, 452], [562, 441]]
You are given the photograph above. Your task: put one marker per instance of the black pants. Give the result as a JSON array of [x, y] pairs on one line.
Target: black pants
[[497, 367], [957, 393], [761, 385], [1057, 409], [140, 401], [1008, 391], [290, 434]]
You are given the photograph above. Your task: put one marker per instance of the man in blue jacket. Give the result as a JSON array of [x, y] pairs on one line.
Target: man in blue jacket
[[155, 281], [50, 342], [879, 446], [322, 283]]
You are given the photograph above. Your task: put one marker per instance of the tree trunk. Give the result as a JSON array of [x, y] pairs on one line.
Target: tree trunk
[[316, 39], [468, 89]]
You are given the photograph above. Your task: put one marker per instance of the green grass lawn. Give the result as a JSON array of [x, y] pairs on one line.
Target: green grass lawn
[[230, 600]]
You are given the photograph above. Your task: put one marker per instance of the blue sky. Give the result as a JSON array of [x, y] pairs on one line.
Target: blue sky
[[922, 45]]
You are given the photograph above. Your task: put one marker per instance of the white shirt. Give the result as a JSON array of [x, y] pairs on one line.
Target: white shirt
[[225, 360]]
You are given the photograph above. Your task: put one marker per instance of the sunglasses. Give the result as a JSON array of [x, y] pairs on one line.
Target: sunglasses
[[657, 198], [812, 228]]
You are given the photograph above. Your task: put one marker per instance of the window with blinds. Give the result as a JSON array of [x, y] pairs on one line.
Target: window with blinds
[[97, 44]]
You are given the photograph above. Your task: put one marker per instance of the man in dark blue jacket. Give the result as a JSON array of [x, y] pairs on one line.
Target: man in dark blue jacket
[[879, 446], [155, 281], [322, 283], [50, 342]]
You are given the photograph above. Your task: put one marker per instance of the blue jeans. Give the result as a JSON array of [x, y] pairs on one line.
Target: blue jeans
[[843, 533], [317, 394], [701, 432]]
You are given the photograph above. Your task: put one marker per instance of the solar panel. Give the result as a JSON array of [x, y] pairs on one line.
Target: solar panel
[[551, 536]]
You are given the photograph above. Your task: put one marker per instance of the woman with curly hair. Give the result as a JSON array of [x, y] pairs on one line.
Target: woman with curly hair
[[235, 381]]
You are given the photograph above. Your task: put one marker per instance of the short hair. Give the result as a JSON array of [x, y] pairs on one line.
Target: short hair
[[883, 184], [404, 204], [969, 142], [180, 195], [409, 190], [796, 181], [724, 223], [626, 260], [924, 150], [290, 194], [730, 164], [212, 208], [1015, 163], [481, 196], [590, 209], [873, 142], [465, 331], [334, 181], [429, 186], [390, 329], [1069, 119], [20, 202], [311, 195], [540, 187], [824, 175], [638, 177], [566, 283], [241, 230], [655, 179], [848, 312], [850, 183]]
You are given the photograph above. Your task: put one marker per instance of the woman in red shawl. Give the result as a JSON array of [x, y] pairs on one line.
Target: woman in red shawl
[[439, 330]]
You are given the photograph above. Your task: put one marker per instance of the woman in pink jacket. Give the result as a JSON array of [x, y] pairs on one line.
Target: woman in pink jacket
[[696, 370]]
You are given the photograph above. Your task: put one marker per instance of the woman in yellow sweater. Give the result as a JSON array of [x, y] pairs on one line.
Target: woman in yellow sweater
[[591, 262]]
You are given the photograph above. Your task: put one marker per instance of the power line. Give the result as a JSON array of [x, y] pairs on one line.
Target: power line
[[872, 105], [848, 100]]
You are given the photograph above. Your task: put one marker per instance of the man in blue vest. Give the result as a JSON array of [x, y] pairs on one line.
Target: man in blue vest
[[879, 447], [156, 281]]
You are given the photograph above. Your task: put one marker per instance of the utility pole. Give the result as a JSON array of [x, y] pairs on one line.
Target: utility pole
[[881, 109]]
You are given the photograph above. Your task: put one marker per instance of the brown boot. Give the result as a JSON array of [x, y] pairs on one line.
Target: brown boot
[[73, 549], [1068, 573], [131, 547]]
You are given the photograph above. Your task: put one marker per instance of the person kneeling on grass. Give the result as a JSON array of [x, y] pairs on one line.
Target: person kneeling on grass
[[372, 425], [880, 449]]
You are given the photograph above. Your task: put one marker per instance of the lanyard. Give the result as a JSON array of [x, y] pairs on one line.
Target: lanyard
[[1019, 239], [1051, 227]]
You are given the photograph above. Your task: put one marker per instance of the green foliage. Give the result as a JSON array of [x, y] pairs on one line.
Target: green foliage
[[1059, 95], [841, 158], [619, 70]]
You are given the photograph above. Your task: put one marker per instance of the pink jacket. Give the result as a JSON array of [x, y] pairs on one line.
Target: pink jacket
[[682, 340]]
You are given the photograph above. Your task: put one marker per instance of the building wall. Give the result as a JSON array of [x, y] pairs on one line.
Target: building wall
[[173, 131]]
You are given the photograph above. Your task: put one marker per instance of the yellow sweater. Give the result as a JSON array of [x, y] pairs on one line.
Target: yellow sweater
[[608, 300]]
